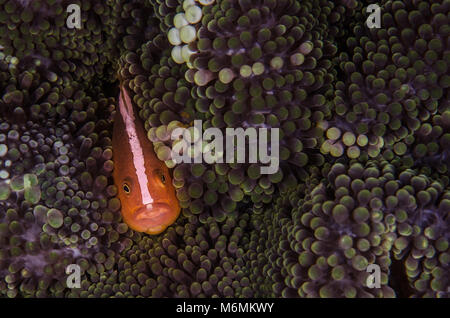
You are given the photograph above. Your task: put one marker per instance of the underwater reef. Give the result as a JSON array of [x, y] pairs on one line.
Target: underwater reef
[[364, 119]]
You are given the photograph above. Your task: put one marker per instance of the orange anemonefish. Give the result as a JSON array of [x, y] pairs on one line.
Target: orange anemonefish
[[145, 187]]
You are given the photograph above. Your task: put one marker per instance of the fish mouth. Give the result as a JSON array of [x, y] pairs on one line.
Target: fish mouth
[[152, 218], [154, 212]]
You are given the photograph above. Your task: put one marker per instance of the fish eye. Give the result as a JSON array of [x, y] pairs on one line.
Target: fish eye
[[159, 174], [126, 188]]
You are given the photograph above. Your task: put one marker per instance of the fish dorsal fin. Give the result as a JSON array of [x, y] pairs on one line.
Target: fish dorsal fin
[[125, 104]]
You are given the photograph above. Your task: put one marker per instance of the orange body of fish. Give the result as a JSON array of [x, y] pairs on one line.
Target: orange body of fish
[[145, 188]]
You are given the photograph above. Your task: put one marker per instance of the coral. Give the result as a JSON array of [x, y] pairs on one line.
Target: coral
[[190, 259], [364, 132], [394, 91], [58, 205], [320, 236], [237, 75]]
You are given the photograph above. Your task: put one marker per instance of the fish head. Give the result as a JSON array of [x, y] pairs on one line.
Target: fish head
[[150, 214], [156, 216]]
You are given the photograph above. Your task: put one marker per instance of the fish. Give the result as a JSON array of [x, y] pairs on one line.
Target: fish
[[145, 189]]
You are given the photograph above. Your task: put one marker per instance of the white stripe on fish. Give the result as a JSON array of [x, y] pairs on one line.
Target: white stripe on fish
[[136, 148]]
